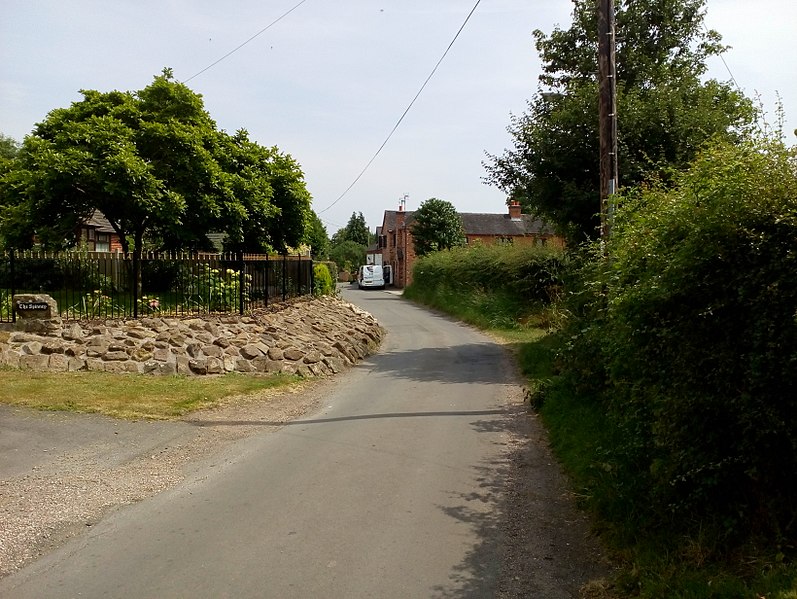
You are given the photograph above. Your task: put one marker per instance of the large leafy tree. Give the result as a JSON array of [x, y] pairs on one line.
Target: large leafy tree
[[155, 164], [436, 225], [666, 112]]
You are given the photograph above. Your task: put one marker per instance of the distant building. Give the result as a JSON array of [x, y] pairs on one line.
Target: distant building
[[396, 249], [98, 235]]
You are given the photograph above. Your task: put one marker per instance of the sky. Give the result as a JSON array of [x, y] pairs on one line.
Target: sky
[[328, 82]]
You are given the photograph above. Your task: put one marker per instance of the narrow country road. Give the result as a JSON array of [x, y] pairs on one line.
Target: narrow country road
[[391, 490]]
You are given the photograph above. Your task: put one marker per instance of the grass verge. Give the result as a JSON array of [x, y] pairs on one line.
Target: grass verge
[[129, 396]]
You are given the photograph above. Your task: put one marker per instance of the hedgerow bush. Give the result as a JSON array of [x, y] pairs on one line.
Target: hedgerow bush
[[489, 285], [323, 283], [686, 331], [528, 272]]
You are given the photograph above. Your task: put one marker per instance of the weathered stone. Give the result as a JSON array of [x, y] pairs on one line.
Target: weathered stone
[[95, 364], [182, 364], [34, 362], [76, 364], [243, 365], [222, 342], [293, 354], [250, 352], [312, 357], [161, 355], [31, 348], [53, 346], [167, 368], [204, 337], [310, 338], [260, 363], [97, 346], [214, 366], [73, 332], [150, 367], [139, 333], [39, 306], [141, 355], [58, 363], [212, 351], [198, 365], [335, 364]]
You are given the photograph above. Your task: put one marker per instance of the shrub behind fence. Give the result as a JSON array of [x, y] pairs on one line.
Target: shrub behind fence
[[99, 285]]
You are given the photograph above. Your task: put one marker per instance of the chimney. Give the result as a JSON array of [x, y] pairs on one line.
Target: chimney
[[514, 210]]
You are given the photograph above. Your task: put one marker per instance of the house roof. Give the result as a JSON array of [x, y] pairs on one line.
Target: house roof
[[503, 225], [98, 221], [483, 224]]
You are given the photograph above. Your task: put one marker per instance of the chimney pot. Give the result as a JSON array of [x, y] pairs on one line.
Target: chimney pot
[[515, 210]]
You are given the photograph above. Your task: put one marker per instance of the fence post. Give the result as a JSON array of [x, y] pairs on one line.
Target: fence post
[[285, 276], [12, 273], [136, 267], [312, 277], [241, 282]]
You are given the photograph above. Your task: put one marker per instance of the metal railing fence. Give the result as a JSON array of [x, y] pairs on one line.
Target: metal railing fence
[[102, 285]]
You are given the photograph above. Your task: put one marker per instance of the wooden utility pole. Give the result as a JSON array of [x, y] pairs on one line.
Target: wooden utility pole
[[607, 112]]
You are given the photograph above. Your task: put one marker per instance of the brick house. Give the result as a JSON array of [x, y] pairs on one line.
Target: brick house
[[395, 246], [98, 235]]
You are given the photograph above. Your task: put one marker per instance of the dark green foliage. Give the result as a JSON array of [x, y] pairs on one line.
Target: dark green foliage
[[155, 165], [687, 332], [349, 255], [666, 111], [493, 286], [8, 147], [436, 226], [355, 230], [316, 237]]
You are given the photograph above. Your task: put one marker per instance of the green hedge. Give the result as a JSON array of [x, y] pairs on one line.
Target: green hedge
[[323, 282], [686, 331]]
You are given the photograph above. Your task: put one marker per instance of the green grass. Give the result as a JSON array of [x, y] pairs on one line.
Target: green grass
[[133, 396]]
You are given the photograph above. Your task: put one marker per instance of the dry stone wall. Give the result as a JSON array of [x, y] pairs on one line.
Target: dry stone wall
[[311, 337]]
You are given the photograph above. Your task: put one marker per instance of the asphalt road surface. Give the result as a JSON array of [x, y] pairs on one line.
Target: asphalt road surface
[[389, 490]]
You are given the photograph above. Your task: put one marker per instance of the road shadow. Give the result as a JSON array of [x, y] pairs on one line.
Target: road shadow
[[533, 540], [469, 363], [481, 424]]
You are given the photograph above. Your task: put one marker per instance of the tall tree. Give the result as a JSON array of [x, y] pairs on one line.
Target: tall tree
[[356, 230], [316, 237], [436, 225], [665, 111], [154, 163]]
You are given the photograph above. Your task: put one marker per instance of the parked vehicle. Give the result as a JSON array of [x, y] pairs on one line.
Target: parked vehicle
[[370, 276]]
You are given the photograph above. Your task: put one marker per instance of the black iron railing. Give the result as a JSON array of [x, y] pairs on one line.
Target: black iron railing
[[101, 285]]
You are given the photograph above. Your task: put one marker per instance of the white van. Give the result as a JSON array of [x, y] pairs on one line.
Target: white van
[[370, 276]]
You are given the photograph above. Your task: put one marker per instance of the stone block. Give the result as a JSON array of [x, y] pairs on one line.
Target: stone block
[[34, 362]]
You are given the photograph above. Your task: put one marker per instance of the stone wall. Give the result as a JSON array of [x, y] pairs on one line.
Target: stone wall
[[309, 337]]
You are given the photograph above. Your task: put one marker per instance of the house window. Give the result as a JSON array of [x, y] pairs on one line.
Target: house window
[[103, 242]]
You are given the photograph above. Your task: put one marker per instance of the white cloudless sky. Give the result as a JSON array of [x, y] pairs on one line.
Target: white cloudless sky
[[329, 81]]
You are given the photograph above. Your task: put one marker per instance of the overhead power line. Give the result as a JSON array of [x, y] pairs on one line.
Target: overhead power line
[[404, 114], [234, 50]]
